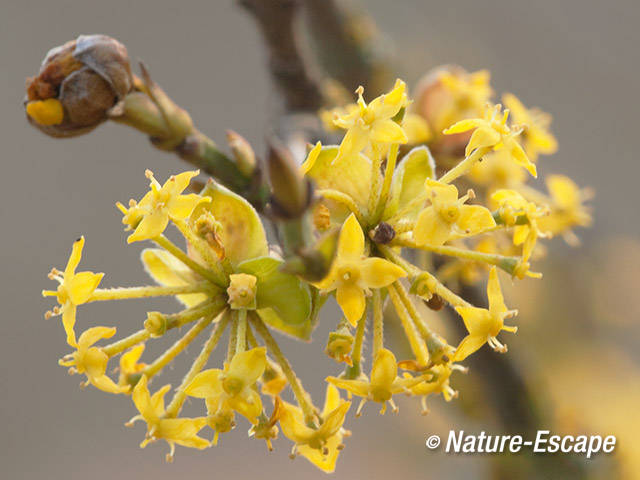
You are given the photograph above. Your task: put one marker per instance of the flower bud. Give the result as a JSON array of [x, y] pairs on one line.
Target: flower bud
[[77, 84], [243, 154], [290, 190]]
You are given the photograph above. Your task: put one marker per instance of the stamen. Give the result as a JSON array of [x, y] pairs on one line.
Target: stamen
[[169, 457], [423, 403]]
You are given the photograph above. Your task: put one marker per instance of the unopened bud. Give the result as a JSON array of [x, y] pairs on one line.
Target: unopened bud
[[78, 83], [290, 190], [243, 154]]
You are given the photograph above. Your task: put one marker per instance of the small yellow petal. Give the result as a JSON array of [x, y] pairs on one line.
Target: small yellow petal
[[463, 126], [248, 366], [68, 322], [384, 370], [150, 226], [181, 206], [474, 219], [74, 258], [206, 384], [378, 272], [468, 345], [494, 293], [92, 335], [482, 137], [351, 299], [312, 156], [477, 320], [351, 240], [388, 131], [431, 229], [82, 285]]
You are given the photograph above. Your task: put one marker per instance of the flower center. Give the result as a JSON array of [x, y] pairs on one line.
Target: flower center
[[349, 274], [232, 385], [450, 213]]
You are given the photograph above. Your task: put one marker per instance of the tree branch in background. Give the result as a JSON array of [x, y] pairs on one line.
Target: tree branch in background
[[347, 45], [286, 64]]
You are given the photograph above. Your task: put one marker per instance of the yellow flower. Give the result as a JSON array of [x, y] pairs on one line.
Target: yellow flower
[[266, 428], [439, 383], [447, 215], [233, 388], [567, 210], [483, 324], [92, 361], [514, 206], [74, 289], [181, 431], [493, 132], [322, 445], [353, 274], [373, 124], [537, 138], [150, 216], [383, 384]]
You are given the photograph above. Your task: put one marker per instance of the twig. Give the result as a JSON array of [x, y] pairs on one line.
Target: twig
[[288, 69], [345, 43]]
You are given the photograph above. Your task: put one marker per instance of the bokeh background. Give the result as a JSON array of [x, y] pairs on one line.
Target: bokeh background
[[578, 346]]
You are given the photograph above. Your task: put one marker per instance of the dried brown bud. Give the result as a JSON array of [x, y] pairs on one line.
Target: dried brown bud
[[382, 234], [77, 84], [435, 302]]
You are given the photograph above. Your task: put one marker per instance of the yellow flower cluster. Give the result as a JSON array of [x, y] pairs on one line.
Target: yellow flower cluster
[[391, 184]]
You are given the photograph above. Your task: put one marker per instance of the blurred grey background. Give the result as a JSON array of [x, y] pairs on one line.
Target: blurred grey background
[[574, 58]]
